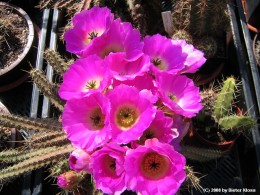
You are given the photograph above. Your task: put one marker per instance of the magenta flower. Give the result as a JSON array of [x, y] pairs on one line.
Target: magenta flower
[[155, 168], [88, 25], [84, 77], [80, 160], [164, 55], [108, 168], [122, 69], [86, 121], [179, 94], [131, 113], [140, 82], [195, 58], [160, 128], [121, 37]]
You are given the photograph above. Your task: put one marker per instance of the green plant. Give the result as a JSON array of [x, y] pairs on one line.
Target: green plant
[[202, 19]]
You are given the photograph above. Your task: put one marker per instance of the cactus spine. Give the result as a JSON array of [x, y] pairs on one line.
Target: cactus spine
[[48, 89], [56, 61], [225, 98], [25, 123], [34, 163]]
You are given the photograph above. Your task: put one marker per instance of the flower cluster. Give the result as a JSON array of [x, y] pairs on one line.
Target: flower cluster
[[126, 101]]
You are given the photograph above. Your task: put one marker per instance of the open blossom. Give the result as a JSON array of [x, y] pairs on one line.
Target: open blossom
[[131, 113], [86, 121], [195, 58], [123, 70], [80, 160], [108, 168], [165, 56], [84, 77], [121, 37], [88, 25], [160, 128], [179, 94], [155, 168]]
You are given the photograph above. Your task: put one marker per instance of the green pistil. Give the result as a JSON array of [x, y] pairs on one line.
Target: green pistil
[[158, 63], [91, 85], [92, 35], [172, 97]]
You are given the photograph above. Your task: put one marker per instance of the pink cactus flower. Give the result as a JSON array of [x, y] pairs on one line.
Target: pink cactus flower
[[131, 113], [165, 56], [179, 94], [86, 121], [67, 180], [195, 58], [155, 168], [123, 70], [88, 25], [84, 77], [108, 168], [79, 160], [121, 37]]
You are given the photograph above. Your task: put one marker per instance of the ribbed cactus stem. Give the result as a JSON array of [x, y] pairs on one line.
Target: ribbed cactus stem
[[48, 89], [56, 61], [236, 122], [201, 154], [17, 155], [56, 141], [34, 163], [225, 98], [59, 167], [26, 123], [43, 137]]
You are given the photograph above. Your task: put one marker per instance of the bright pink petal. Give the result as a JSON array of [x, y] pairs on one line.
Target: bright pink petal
[[80, 160], [123, 70], [131, 113], [179, 94], [195, 58], [88, 25], [165, 56], [86, 121], [108, 168], [121, 37], [84, 77], [155, 168]]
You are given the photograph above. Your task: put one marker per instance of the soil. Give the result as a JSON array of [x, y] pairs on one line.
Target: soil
[[13, 35]]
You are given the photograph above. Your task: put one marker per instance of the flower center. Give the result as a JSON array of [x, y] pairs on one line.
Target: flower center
[[126, 117], [90, 85], [154, 166], [110, 49], [158, 63], [92, 35], [110, 164], [96, 119], [147, 134], [172, 97]]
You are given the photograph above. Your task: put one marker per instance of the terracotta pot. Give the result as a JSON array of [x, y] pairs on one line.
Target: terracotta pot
[[15, 74], [193, 138]]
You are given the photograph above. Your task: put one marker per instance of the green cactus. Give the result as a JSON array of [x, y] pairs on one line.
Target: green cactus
[[236, 122], [56, 61], [30, 164], [26, 123], [48, 89], [201, 154], [225, 98]]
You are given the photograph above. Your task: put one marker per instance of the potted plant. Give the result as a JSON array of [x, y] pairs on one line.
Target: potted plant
[[16, 40], [219, 124], [197, 23]]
